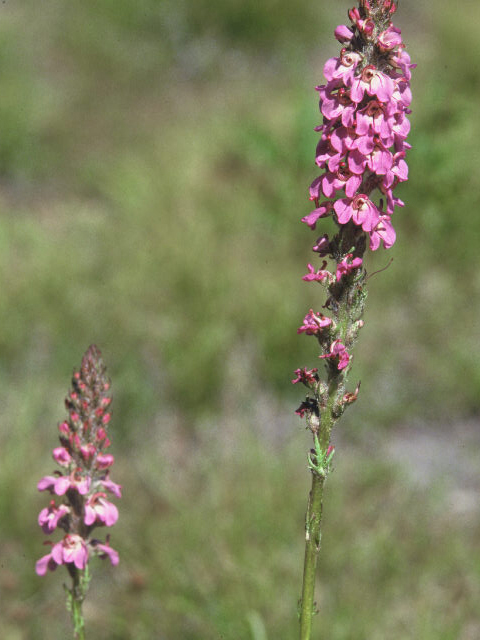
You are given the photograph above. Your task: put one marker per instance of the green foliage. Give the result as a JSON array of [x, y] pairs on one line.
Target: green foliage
[[211, 545]]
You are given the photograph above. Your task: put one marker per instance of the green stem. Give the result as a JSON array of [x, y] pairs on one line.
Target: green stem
[[312, 547], [76, 596], [78, 622]]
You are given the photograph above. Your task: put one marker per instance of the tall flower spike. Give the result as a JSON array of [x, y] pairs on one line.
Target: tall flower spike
[[81, 482], [364, 105]]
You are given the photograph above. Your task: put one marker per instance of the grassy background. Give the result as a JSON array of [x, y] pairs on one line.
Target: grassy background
[[154, 165]]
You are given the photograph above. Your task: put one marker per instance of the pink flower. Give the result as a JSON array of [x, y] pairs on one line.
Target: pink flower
[[113, 487], [104, 460], [392, 202], [317, 276], [374, 117], [72, 549], [47, 482], [374, 82], [398, 170], [343, 67], [45, 563], [343, 33], [349, 397], [343, 139], [62, 456], [64, 428], [324, 151], [390, 38], [314, 323], [380, 159], [360, 209], [48, 518], [338, 350], [61, 484], [343, 178], [327, 155], [402, 60], [320, 212], [347, 265], [98, 510], [322, 245], [400, 127], [101, 437], [105, 551], [307, 376], [335, 103], [383, 231]]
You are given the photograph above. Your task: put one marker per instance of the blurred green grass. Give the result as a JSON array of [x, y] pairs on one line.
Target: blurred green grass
[[154, 165]]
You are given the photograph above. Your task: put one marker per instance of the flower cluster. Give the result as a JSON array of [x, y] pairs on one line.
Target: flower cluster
[[83, 482], [361, 152], [364, 107]]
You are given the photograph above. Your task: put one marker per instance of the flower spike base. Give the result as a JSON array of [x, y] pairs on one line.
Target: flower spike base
[[361, 153]]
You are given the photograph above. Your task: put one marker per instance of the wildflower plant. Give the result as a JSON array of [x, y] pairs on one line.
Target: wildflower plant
[[80, 489], [361, 153]]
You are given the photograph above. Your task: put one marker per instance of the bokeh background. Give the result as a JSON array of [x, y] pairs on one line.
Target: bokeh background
[[155, 158]]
